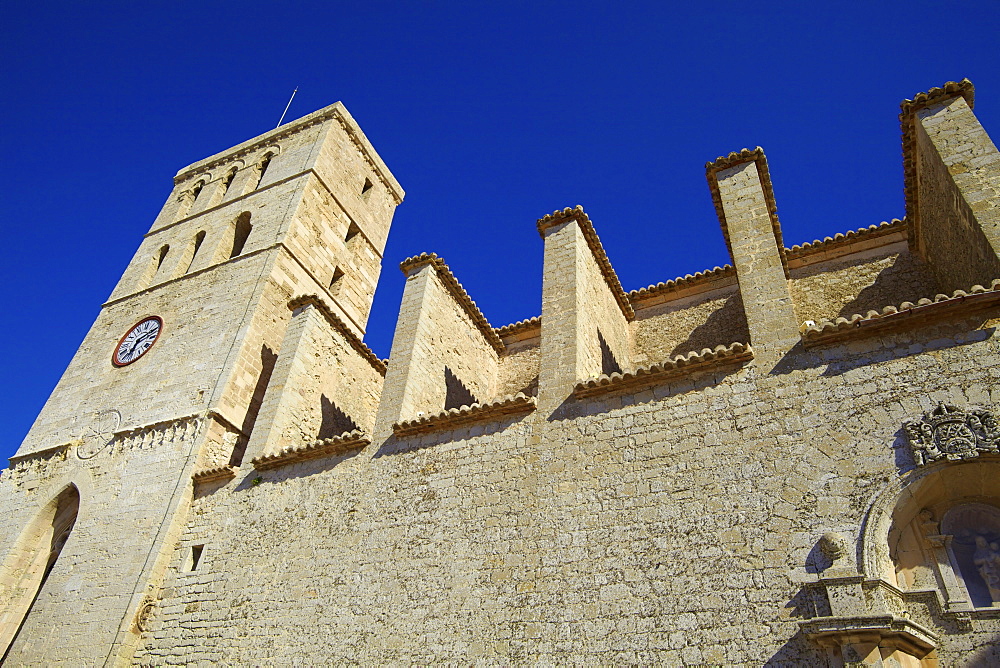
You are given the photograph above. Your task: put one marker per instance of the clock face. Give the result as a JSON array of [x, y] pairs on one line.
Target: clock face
[[137, 341]]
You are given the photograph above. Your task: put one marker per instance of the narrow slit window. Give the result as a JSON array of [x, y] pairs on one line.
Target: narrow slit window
[[366, 188], [194, 557], [198, 187], [162, 256], [241, 234]]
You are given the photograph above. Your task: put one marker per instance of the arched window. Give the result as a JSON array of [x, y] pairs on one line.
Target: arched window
[[227, 181], [187, 199], [149, 275], [33, 559], [241, 233], [198, 240], [262, 168]]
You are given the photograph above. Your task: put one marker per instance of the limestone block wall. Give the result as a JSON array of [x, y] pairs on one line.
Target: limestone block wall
[[291, 152], [130, 484], [202, 316], [872, 280], [584, 328], [268, 217], [336, 251], [518, 370], [440, 355], [675, 325], [358, 179], [321, 386], [953, 170], [673, 525]]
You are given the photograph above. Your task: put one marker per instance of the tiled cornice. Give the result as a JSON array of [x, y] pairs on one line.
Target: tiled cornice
[[456, 417], [457, 292], [905, 315], [594, 242], [838, 240], [680, 365], [351, 440], [682, 282]]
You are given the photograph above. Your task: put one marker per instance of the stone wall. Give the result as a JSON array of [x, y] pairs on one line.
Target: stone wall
[[676, 525], [886, 276], [689, 324]]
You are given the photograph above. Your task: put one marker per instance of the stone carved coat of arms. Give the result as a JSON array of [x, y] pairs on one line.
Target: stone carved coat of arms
[[949, 432]]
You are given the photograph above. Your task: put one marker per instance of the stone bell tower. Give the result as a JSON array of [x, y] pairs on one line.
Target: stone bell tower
[[171, 377]]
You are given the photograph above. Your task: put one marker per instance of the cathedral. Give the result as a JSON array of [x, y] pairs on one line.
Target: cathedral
[[790, 460]]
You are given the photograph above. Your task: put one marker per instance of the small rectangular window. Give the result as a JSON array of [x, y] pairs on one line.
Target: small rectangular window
[[194, 558]]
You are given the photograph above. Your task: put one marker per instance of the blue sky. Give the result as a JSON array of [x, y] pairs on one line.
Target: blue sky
[[489, 114]]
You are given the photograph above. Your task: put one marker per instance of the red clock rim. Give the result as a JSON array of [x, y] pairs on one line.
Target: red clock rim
[[114, 356]]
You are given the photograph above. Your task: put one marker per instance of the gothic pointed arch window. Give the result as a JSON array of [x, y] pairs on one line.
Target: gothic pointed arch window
[[29, 565]]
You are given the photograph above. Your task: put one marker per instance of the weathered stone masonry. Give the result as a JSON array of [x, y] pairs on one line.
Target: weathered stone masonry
[[789, 460]]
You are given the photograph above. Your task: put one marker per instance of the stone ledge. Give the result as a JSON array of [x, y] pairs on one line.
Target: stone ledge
[[677, 366], [906, 314], [845, 239], [899, 632], [732, 160], [339, 325], [213, 474], [681, 283], [458, 293], [907, 121], [596, 248], [42, 454], [349, 440], [454, 417], [519, 326]]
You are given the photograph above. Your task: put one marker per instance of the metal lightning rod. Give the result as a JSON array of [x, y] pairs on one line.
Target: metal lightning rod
[[286, 107]]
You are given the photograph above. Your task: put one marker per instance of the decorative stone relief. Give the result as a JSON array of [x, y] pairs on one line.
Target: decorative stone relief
[[100, 434], [952, 433]]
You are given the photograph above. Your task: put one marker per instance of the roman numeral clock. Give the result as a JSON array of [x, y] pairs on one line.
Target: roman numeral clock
[[137, 341]]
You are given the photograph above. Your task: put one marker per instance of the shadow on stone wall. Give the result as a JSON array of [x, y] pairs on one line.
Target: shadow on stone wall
[[906, 279], [397, 445], [723, 327], [841, 357], [573, 408]]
